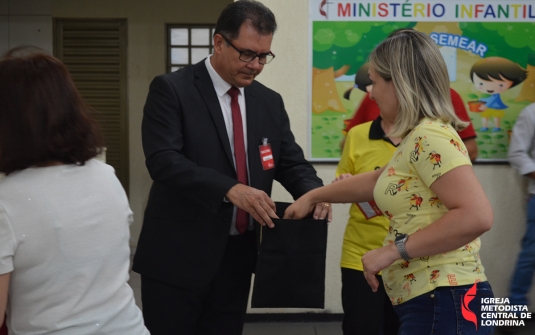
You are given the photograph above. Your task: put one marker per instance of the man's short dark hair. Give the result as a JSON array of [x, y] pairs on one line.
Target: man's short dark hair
[[42, 116], [251, 12]]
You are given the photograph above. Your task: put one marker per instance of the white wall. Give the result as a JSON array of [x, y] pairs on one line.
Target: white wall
[[289, 75], [25, 22]]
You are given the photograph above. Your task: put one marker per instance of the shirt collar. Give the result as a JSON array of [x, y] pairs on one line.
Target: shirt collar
[[220, 85], [377, 132]]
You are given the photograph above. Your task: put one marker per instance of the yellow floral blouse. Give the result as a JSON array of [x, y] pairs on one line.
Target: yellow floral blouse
[[403, 194]]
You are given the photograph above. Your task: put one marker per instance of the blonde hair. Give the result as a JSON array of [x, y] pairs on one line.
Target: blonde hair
[[412, 61]]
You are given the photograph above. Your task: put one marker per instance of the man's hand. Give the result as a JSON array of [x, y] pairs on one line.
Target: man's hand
[[255, 202]]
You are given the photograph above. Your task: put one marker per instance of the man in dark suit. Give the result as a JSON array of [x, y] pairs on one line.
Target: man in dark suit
[[214, 141]]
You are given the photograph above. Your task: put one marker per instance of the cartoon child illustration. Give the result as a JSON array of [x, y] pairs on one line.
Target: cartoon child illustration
[[494, 75]]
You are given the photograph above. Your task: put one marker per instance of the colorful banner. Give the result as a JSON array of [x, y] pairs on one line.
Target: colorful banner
[[488, 46]]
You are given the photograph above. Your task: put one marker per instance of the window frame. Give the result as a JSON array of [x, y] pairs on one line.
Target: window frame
[[170, 67]]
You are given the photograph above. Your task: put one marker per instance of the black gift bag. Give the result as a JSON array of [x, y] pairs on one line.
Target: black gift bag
[[290, 270]]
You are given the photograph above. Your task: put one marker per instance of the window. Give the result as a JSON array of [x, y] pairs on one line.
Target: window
[[188, 44]]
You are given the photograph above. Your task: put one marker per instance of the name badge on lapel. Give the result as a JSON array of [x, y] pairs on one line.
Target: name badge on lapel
[[266, 156]]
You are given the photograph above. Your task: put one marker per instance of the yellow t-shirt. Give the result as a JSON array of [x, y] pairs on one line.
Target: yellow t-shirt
[[403, 194], [365, 150]]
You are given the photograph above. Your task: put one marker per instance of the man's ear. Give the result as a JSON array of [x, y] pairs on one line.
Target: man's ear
[[218, 43]]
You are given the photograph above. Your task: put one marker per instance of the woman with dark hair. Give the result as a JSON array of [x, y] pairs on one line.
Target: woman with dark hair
[[64, 217]]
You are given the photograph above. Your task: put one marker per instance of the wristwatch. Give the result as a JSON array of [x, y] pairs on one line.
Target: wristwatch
[[400, 244]]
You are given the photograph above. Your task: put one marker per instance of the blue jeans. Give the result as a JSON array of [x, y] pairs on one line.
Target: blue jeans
[[439, 312], [525, 264]]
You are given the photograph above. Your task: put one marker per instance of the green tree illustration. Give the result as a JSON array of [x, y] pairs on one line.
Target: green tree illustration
[[348, 43], [516, 39]]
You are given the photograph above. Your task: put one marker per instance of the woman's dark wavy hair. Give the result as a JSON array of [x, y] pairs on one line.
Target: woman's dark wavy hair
[[42, 116], [252, 12]]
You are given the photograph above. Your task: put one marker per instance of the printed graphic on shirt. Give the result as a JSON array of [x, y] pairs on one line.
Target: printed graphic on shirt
[[409, 218], [435, 201], [419, 147], [434, 158], [407, 287], [410, 278], [458, 146], [415, 201], [403, 184], [403, 193], [434, 276], [405, 264]]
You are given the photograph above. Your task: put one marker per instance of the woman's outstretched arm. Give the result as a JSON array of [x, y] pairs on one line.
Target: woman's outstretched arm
[[358, 188]]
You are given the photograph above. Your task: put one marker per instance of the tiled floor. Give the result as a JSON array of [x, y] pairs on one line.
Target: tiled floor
[[303, 328]]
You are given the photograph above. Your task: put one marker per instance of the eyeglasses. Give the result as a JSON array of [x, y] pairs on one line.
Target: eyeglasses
[[248, 56]]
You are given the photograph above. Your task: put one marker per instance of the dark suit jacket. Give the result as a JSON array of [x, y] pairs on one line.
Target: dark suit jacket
[[188, 155]]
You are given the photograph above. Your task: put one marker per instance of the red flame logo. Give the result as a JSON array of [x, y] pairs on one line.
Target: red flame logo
[[322, 12], [467, 313]]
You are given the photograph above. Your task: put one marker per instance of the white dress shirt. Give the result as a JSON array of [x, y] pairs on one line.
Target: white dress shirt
[[221, 88], [522, 147]]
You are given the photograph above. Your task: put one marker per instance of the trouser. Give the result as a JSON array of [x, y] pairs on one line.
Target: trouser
[[216, 309], [366, 312], [525, 264], [440, 312]]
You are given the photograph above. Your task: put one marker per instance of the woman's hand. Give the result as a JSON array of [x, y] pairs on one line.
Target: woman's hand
[[301, 208], [323, 210], [376, 260]]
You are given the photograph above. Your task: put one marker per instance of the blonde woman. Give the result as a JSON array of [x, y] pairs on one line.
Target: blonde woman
[[436, 206]]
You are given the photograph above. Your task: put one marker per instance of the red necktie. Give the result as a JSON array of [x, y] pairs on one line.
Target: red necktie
[[242, 217]]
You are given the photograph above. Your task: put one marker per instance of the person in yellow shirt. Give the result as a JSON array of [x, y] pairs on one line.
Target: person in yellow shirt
[[436, 207], [367, 148]]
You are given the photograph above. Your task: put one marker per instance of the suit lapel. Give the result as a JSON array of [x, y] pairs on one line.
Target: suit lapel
[[203, 82], [253, 133]]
